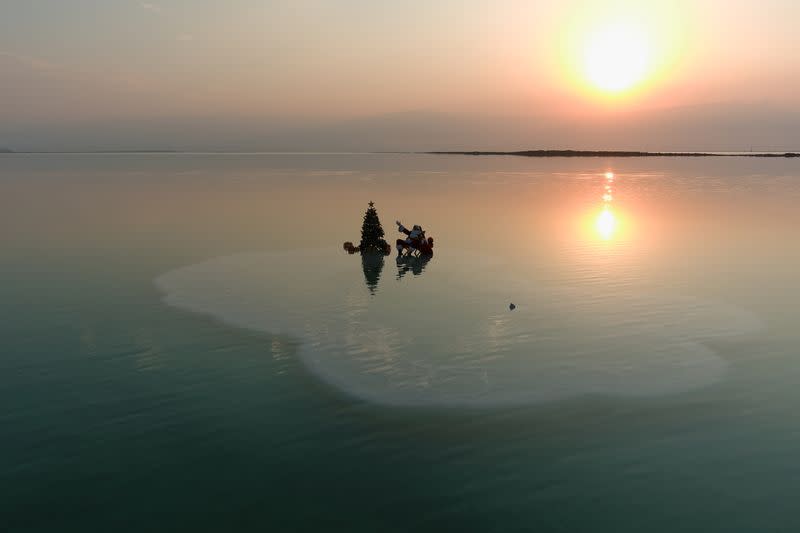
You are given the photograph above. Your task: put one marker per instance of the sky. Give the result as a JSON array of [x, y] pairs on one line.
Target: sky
[[416, 75]]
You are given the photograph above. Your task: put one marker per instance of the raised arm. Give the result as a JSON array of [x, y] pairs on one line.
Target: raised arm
[[402, 228]]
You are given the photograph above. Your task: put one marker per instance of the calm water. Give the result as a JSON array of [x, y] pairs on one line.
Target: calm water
[[185, 345]]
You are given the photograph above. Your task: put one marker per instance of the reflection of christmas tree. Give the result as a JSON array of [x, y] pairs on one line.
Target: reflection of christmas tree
[[372, 240], [372, 265]]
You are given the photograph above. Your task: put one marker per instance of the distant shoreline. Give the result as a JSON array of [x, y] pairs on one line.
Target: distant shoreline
[[521, 153], [614, 153], [9, 151]]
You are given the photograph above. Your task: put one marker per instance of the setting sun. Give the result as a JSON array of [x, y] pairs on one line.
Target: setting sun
[[622, 54], [616, 57]]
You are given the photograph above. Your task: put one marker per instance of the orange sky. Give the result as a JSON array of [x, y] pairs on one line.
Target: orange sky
[[316, 60]]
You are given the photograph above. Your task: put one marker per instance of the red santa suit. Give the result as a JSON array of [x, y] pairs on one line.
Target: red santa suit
[[415, 239]]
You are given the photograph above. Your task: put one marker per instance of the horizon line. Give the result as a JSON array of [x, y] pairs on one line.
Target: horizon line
[[519, 153]]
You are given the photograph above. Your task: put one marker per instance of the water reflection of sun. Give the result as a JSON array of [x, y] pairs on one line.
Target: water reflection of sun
[[606, 222]]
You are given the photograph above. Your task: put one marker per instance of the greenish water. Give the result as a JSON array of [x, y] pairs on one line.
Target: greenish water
[[185, 346]]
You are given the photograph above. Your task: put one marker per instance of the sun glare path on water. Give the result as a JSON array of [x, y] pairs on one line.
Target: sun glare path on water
[[606, 222]]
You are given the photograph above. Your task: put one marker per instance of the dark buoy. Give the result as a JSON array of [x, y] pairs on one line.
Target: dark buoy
[[512, 306]]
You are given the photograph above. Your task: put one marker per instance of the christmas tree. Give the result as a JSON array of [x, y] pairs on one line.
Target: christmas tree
[[372, 240]]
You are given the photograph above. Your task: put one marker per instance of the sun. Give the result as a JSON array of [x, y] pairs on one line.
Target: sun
[[620, 52], [616, 57]]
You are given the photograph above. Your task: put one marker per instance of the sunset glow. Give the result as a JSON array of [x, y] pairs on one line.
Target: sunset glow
[[330, 76], [616, 57], [624, 53], [520, 265], [606, 223]]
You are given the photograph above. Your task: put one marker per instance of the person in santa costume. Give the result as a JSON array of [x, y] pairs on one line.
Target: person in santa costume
[[415, 239]]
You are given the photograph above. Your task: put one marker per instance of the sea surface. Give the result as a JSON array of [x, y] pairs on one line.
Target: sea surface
[[186, 346]]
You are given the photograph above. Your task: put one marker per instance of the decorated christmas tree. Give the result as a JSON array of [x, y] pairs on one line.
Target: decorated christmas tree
[[372, 240]]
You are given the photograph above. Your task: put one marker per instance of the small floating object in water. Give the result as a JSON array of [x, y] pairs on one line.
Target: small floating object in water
[[512, 306]]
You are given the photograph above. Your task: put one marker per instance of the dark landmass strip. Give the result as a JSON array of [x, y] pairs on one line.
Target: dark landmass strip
[[92, 152], [613, 153], [134, 152], [521, 153]]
